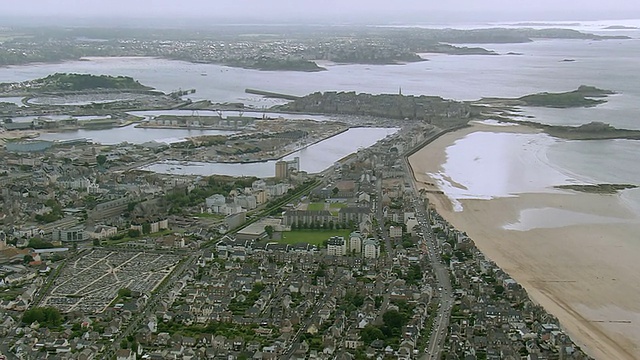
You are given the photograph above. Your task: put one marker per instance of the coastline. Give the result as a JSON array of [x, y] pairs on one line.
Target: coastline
[[584, 273]]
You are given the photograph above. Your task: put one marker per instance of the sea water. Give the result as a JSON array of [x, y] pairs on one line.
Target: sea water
[[533, 67]]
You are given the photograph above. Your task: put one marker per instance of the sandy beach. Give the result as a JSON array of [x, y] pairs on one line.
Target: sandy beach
[[575, 253]]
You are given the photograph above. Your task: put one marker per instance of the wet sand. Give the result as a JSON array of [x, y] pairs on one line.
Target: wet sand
[[586, 274]]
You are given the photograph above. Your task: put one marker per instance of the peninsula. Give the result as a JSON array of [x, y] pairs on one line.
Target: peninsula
[[433, 109], [60, 82]]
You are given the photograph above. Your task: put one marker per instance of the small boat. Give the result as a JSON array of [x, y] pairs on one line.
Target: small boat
[[204, 73]]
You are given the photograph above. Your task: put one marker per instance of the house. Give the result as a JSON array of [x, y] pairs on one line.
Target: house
[[365, 226], [353, 341], [215, 200], [102, 232], [125, 354], [395, 231]]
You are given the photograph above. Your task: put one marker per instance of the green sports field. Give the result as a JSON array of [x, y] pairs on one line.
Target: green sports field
[[315, 206], [314, 237]]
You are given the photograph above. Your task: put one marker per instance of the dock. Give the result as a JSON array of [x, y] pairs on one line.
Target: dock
[[270, 94]]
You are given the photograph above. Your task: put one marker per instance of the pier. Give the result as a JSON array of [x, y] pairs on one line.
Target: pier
[[270, 94]]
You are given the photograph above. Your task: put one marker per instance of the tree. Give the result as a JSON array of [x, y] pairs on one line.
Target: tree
[[269, 230], [294, 226], [146, 228], [27, 259], [394, 320], [133, 233], [96, 242], [371, 333], [101, 159], [46, 316], [335, 191], [378, 300], [124, 292], [37, 243]]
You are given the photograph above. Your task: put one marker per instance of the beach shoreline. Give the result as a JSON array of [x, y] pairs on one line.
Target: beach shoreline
[[586, 274]]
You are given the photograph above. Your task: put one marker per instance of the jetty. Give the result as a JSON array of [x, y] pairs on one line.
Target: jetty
[[271, 94]]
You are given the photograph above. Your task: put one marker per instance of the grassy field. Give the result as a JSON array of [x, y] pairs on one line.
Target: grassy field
[[315, 206], [314, 237], [334, 208]]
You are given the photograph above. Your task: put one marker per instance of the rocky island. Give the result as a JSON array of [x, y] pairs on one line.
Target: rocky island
[[591, 131], [583, 96], [275, 64], [517, 35], [620, 27]]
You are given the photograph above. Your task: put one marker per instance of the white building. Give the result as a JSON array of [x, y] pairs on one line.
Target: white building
[[76, 184], [336, 246], [248, 202], [371, 248], [230, 209], [156, 226], [215, 200], [258, 185], [28, 232], [277, 189], [395, 231], [355, 242], [103, 232], [261, 197], [411, 223], [72, 234]]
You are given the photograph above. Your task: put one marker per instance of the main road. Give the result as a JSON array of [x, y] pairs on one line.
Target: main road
[[444, 292], [382, 230]]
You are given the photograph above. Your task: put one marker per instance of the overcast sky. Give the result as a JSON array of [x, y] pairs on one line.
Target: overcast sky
[[427, 11]]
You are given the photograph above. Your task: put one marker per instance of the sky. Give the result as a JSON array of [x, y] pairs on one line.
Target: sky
[[337, 11]]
